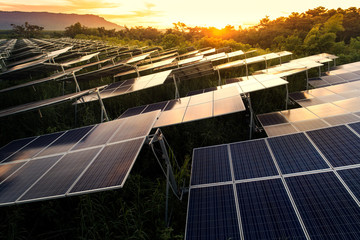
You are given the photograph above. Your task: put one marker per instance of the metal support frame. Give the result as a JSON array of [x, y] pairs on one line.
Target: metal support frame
[[307, 79], [177, 94], [251, 115], [103, 110], [319, 71], [220, 82], [77, 89], [287, 96], [170, 177]]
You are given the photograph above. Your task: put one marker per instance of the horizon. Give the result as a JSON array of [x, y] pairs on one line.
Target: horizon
[[161, 14]]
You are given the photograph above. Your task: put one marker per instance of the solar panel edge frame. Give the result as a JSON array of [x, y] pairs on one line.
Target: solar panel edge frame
[[288, 192]]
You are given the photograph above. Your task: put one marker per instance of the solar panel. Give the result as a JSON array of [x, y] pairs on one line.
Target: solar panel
[[355, 126], [339, 145], [351, 177], [266, 211], [101, 159], [17, 183], [199, 111], [298, 114], [351, 104], [327, 209], [341, 119], [279, 129], [44, 103], [267, 119], [33, 148], [309, 125], [252, 159], [212, 214], [61, 176], [210, 165], [326, 110], [295, 153], [13, 147], [111, 167]]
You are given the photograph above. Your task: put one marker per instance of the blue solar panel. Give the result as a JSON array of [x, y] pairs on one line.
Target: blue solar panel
[[59, 179], [356, 127], [352, 179], [34, 147], [15, 185], [66, 141], [295, 153], [12, 147], [266, 211], [339, 145], [252, 159], [212, 214], [210, 165], [327, 209]]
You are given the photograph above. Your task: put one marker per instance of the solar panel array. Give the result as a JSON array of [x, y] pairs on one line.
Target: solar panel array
[[344, 73], [297, 186], [321, 107], [211, 104], [88, 159], [128, 86]]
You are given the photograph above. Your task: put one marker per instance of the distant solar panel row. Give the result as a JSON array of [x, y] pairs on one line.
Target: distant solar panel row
[[341, 74], [87, 159], [322, 107], [288, 187]]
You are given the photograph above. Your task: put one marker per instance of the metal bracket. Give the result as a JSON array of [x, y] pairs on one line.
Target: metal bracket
[[177, 94], [103, 110]]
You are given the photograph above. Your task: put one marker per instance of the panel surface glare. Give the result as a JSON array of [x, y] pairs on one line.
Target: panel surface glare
[[339, 145], [295, 153], [210, 165], [327, 209], [252, 159], [212, 214], [266, 211]]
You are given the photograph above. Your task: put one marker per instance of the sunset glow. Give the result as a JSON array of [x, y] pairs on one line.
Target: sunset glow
[[162, 13]]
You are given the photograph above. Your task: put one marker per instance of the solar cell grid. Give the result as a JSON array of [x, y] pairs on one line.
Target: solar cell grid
[[355, 126], [341, 119], [110, 168], [15, 185], [266, 211], [252, 159], [327, 209], [267, 119], [34, 147], [280, 129], [339, 145], [212, 214], [210, 165], [14, 146], [352, 179], [61, 176], [295, 153]]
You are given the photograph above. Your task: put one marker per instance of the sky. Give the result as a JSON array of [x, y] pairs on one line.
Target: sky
[[163, 13]]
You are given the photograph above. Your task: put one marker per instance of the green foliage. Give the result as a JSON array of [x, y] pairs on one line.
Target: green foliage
[[26, 31]]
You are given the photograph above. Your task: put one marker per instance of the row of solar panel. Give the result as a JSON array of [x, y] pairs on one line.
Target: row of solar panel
[[322, 107], [92, 158], [214, 103], [297, 186], [344, 73]]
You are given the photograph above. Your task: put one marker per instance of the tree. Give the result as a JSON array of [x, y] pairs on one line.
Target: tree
[[27, 30]]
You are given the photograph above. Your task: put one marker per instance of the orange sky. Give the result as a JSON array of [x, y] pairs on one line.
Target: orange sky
[[162, 13]]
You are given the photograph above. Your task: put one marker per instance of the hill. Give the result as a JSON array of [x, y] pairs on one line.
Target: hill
[[53, 21]]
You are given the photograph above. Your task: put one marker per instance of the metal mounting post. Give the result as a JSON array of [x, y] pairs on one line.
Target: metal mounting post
[[287, 96], [103, 110], [319, 71], [307, 79], [170, 178], [220, 82], [251, 115], [76, 82], [177, 95]]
